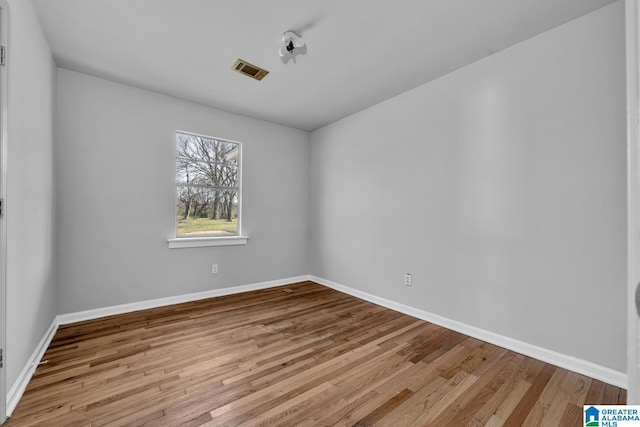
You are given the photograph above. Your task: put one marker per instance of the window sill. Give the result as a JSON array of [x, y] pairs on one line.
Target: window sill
[[199, 242]]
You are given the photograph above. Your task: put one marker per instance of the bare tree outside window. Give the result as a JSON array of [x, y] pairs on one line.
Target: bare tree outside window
[[207, 186]]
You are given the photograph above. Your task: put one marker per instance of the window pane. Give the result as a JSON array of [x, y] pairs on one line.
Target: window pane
[[207, 186], [195, 172], [194, 147], [206, 212]]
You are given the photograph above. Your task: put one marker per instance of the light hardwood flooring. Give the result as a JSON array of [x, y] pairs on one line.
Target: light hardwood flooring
[[309, 357]]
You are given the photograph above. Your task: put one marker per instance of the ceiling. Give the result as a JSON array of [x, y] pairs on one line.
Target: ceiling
[[359, 52]]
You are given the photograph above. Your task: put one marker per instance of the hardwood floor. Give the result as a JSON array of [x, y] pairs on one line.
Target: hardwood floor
[[309, 357]]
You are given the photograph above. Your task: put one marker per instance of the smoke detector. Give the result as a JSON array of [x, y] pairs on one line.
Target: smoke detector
[[292, 45]]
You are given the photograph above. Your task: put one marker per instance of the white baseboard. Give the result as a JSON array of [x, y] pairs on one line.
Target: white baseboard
[[571, 363], [80, 316], [18, 388], [584, 367]]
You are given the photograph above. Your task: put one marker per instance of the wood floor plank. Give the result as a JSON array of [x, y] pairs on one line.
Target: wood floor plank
[[500, 390], [347, 395], [551, 393], [573, 388], [461, 411], [572, 415], [509, 404], [384, 409], [310, 357], [529, 400]]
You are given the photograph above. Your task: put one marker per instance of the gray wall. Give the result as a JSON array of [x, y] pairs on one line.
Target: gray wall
[[501, 187], [31, 292], [116, 204]]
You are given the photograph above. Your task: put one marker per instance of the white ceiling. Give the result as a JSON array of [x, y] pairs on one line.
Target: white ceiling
[[360, 52]]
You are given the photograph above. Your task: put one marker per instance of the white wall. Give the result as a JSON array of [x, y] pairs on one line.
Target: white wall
[[501, 188], [116, 200], [31, 292]]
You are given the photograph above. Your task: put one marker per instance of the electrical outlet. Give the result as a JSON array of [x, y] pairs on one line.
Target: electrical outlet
[[407, 279], [214, 268]]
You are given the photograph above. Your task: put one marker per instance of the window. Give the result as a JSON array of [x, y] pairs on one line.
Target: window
[[207, 191]]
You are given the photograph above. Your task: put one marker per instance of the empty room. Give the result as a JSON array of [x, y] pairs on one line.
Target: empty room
[[316, 213]]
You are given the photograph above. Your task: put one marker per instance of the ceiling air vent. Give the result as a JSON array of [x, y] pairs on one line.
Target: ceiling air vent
[[249, 70]]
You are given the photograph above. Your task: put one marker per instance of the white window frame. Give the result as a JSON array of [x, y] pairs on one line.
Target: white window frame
[[200, 241]]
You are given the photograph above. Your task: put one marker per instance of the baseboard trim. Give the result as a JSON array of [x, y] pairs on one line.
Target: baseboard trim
[[18, 388], [161, 302], [584, 367], [602, 373]]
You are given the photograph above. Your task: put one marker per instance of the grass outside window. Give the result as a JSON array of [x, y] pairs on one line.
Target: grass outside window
[[206, 227]]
